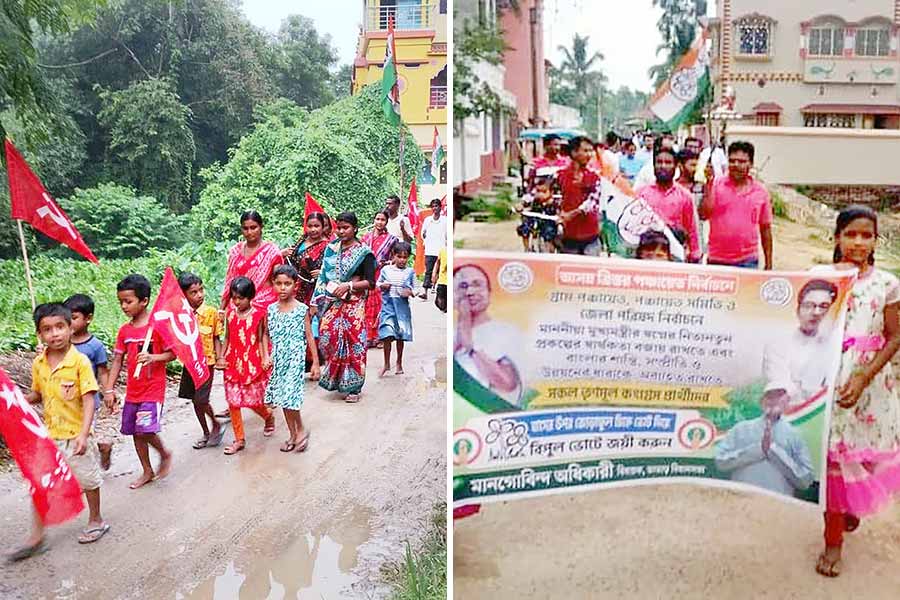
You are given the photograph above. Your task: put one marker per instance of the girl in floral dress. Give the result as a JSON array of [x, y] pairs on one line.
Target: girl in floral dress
[[245, 361], [289, 329], [864, 449]]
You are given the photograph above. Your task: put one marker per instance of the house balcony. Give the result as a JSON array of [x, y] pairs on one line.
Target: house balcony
[[406, 14]]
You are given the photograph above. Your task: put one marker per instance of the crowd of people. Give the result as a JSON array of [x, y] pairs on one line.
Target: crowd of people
[[722, 215], [309, 312]]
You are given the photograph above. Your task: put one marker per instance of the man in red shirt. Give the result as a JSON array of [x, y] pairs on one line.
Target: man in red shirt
[[673, 203], [581, 227], [739, 212]]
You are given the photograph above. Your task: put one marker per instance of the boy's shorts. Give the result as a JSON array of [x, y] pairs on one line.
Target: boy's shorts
[[85, 467], [186, 388], [141, 417]]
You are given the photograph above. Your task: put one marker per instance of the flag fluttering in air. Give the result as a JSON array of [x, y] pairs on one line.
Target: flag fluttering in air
[[437, 154], [30, 202], [390, 88], [313, 207], [414, 219], [176, 323], [54, 490], [674, 101]]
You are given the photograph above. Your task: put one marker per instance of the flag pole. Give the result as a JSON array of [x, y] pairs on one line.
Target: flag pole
[[402, 147], [27, 265]]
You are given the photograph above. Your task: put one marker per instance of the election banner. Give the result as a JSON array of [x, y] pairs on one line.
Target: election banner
[[574, 373]]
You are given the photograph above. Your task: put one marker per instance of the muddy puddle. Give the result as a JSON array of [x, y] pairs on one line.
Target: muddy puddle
[[314, 566]]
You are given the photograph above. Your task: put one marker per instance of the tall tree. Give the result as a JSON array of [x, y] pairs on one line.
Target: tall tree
[[678, 27], [579, 81], [303, 60]]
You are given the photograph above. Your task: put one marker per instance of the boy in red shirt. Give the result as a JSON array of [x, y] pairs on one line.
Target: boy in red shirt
[[581, 228], [145, 389]]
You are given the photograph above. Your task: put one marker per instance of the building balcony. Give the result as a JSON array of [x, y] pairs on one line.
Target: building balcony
[[438, 48], [406, 14], [438, 97]]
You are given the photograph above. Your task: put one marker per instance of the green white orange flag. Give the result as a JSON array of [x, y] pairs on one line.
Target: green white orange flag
[[437, 154], [677, 97], [390, 90]]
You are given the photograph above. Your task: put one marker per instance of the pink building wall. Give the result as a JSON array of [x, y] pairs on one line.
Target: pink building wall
[[517, 59]]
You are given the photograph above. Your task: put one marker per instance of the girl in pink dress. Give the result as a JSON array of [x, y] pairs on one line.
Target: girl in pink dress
[[864, 448]]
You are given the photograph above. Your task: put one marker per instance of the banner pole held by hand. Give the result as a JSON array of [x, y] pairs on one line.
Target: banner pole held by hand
[[144, 348], [27, 265]]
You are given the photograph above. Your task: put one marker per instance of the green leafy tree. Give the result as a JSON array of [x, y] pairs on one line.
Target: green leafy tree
[[344, 154], [678, 27], [151, 146], [476, 39], [579, 82], [340, 81], [115, 222], [302, 61]]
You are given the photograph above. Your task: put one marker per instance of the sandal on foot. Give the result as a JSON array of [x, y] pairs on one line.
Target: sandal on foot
[[200, 444], [234, 447], [27, 551], [288, 447], [303, 444], [851, 523], [828, 568], [351, 398], [216, 440], [269, 429], [92, 534]]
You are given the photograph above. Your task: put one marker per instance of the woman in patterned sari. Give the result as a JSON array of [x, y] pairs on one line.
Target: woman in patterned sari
[[306, 257], [254, 259], [348, 272], [380, 242]]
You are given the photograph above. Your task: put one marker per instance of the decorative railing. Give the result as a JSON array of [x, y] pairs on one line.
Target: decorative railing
[[405, 16], [438, 97]]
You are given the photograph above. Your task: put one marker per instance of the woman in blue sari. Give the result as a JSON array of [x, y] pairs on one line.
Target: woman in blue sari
[[347, 275]]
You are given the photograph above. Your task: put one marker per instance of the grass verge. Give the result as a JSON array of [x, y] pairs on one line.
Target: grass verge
[[422, 572]]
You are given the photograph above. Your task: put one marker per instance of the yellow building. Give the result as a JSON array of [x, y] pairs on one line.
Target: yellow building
[[420, 38]]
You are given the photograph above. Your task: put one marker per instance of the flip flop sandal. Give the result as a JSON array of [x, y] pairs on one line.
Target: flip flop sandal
[[200, 444], [28, 551], [827, 568], [352, 398], [303, 444], [216, 440], [234, 448], [288, 447], [89, 536], [224, 415]]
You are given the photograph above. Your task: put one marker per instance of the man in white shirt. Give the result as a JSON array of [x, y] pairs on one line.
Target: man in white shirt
[[398, 225], [434, 234]]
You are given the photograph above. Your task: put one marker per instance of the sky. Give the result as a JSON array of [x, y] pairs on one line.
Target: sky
[[624, 31], [340, 18]]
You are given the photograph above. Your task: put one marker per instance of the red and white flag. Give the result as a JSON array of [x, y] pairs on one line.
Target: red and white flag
[[444, 206], [31, 203], [413, 214], [176, 323], [54, 490]]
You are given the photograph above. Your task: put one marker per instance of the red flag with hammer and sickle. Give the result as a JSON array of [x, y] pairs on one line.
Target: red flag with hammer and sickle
[[54, 490], [176, 323], [30, 202]]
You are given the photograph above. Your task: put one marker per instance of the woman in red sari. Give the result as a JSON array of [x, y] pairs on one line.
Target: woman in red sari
[[380, 242], [254, 259]]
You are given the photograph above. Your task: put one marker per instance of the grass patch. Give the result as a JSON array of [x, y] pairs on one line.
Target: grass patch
[[457, 243], [422, 573], [779, 208]]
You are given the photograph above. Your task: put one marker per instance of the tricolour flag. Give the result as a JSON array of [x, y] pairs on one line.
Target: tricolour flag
[[437, 154], [53, 488], [390, 89], [176, 323], [677, 97], [30, 202]]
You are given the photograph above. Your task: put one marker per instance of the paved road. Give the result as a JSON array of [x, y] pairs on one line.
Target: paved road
[[262, 523]]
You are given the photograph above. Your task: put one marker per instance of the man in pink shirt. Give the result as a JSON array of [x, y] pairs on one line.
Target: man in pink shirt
[[739, 212], [672, 202]]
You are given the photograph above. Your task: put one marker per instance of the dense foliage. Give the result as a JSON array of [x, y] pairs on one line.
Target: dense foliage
[[344, 154], [678, 27]]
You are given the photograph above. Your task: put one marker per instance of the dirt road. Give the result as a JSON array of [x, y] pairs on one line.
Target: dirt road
[[262, 524], [674, 541]]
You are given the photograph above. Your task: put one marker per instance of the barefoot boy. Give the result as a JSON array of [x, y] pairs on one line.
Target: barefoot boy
[[145, 391], [62, 378], [210, 335]]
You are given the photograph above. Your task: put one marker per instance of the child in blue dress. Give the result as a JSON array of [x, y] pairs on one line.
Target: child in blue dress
[[288, 322], [396, 284]]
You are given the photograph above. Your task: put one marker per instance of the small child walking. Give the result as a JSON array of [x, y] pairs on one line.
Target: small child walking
[[210, 329], [145, 387], [290, 330], [864, 447], [62, 378], [396, 283], [105, 422], [245, 361]]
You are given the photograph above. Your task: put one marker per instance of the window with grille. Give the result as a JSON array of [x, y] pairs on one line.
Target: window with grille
[[829, 120], [767, 119], [826, 41], [873, 41], [754, 36]]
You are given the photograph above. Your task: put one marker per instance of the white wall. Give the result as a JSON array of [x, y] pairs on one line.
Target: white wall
[[564, 116]]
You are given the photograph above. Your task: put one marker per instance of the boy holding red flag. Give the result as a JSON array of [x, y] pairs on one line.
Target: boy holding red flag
[[63, 379]]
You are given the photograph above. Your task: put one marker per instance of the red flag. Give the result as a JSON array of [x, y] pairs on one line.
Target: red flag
[[444, 206], [32, 203], [54, 490], [175, 322], [413, 214], [311, 207]]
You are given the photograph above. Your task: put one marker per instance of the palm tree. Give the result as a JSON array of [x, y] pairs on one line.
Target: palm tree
[[576, 68]]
